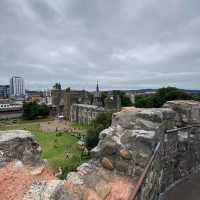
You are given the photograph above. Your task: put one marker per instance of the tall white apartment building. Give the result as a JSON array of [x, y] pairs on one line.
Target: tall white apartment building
[[17, 88]]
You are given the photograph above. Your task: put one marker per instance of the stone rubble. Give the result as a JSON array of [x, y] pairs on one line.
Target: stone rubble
[[48, 190]]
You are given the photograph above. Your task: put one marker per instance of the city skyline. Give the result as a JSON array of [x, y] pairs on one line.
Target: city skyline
[[123, 44]]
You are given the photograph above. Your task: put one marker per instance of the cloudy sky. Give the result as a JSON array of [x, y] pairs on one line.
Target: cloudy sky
[[125, 44]]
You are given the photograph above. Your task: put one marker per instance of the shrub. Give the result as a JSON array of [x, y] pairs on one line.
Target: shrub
[[33, 110], [102, 122]]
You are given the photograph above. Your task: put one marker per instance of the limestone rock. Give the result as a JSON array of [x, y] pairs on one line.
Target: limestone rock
[[107, 163], [126, 118], [48, 190], [109, 148], [124, 153], [19, 145], [103, 189], [121, 165], [187, 112]]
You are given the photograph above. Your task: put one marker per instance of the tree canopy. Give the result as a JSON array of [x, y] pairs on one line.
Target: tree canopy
[[160, 97], [33, 110], [102, 122]]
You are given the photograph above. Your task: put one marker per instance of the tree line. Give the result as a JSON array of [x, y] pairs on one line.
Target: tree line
[[33, 110], [162, 96]]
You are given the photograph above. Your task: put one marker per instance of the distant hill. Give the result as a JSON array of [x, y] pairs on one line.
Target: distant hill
[[154, 90]]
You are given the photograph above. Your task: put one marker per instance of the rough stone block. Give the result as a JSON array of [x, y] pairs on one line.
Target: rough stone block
[[19, 145]]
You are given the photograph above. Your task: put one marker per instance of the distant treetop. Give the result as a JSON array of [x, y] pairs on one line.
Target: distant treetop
[[160, 97]]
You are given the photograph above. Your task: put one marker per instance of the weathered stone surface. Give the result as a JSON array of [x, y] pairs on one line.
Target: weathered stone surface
[[103, 189], [48, 190], [19, 145], [124, 153], [126, 118], [107, 163], [186, 111], [133, 130], [121, 165], [109, 148], [127, 147]]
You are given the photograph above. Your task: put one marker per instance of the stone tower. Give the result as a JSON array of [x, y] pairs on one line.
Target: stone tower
[[112, 102]]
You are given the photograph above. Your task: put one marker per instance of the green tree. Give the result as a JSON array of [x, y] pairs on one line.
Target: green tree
[[102, 121], [32, 110], [196, 97], [43, 110], [160, 97]]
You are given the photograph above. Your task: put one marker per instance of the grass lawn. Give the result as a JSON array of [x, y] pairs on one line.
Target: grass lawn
[[61, 151]]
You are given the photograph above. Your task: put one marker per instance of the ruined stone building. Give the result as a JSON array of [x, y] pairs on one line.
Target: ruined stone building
[[63, 99], [81, 106], [75, 97], [85, 113]]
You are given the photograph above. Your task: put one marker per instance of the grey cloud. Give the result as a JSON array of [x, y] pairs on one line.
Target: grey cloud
[[124, 44]]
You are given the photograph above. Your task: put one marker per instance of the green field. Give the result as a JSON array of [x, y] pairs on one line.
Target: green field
[[61, 150]]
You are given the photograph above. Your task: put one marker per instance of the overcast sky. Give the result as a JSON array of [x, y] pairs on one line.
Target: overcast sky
[[125, 44]]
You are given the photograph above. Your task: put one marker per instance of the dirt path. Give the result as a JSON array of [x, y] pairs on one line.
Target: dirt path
[[56, 125]]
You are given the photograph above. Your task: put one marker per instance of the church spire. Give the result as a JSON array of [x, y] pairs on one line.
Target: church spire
[[97, 90], [97, 97]]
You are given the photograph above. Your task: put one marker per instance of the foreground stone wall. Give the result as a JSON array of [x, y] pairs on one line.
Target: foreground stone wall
[[179, 152], [19, 145], [128, 145], [136, 142]]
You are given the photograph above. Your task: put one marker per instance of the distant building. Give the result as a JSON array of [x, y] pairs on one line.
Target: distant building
[[30, 93], [17, 88], [75, 97], [4, 91], [81, 106], [112, 103], [83, 113], [47, 98], [97, 100]]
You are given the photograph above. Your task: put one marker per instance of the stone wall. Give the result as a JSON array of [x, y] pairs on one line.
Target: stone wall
[[83, 113], [19, 145], [128, 145], [138, 145], [178, 155]]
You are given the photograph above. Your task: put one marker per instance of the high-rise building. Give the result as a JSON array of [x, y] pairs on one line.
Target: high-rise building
[[17, 88], [4, 91]]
